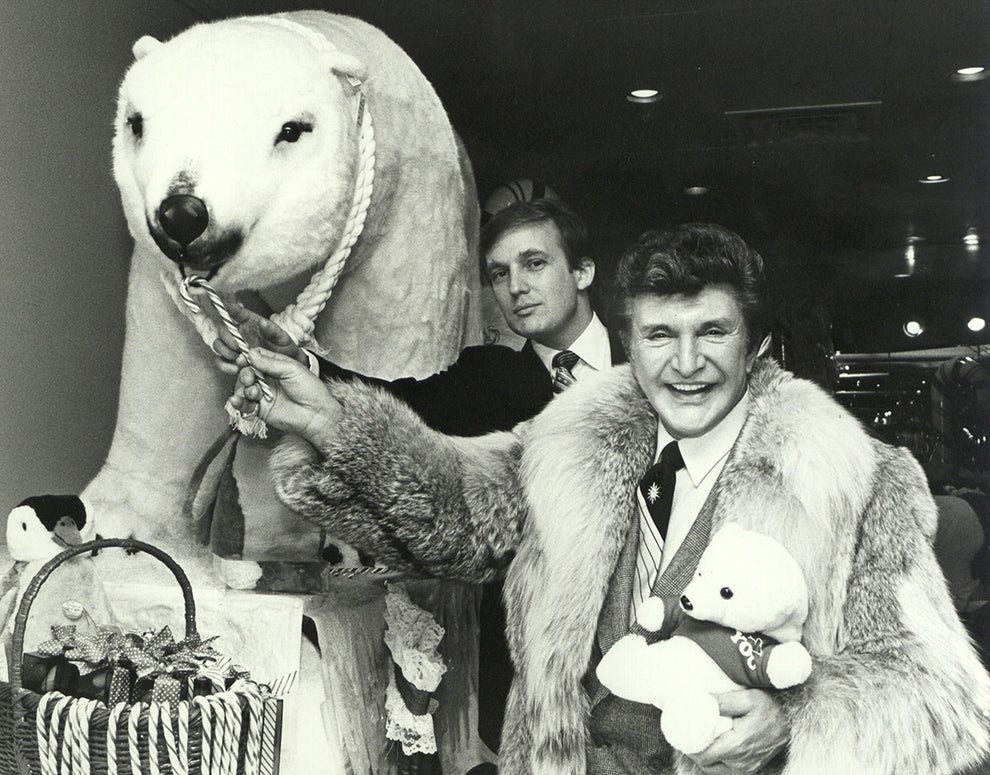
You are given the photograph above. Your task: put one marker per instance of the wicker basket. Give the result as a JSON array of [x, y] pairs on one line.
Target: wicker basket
[[236, 731]]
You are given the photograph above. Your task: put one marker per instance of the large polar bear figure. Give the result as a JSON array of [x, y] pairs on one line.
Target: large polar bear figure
[[236, 154], [248, 151]]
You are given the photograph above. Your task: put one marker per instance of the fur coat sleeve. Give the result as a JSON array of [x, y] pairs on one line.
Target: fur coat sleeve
[[402, 492]]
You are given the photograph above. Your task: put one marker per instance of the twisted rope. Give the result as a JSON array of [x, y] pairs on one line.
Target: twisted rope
[[299, 318]]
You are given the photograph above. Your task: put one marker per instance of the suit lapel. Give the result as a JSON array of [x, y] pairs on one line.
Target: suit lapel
[[613, 622], [677, 575]]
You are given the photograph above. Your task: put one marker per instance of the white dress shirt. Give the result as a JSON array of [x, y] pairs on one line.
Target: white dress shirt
[[591, 347], [704, 457]]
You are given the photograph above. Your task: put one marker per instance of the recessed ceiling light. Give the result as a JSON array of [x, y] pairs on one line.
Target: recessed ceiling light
[[913, 328], [643, 96], [972, 238], [914, 239], [976, 324], [929, 179], [695, 191], [976, 73]]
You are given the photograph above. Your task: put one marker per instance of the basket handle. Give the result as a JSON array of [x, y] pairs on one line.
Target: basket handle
[[127, 544]]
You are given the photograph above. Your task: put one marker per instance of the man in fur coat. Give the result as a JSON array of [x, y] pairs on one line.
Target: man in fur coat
[[561, 507]]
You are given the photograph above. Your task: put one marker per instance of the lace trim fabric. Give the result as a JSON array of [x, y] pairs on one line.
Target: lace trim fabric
[[412, 635], [414, 733]]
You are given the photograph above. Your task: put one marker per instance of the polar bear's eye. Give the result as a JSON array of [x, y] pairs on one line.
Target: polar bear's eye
[[136, 123], [292, 131], [725, 592]]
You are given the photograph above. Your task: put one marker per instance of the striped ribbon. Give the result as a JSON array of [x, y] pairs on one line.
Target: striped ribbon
[[268, 737]]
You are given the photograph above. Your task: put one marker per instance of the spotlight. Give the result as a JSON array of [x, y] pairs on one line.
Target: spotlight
[[644, 96], [695, 191], [964, 74], [913, 328], [933, 179], [976, 324]]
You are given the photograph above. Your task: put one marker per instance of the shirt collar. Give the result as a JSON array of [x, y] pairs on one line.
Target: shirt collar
[[702, 453], [592, 347]]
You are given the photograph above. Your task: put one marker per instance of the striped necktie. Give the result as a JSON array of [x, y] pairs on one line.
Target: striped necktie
[[657, 486], [562, 364]]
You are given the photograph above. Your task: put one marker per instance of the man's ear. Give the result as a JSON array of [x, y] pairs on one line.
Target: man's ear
[[585, 273]]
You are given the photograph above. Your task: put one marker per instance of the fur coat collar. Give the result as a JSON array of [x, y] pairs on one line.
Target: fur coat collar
[[802, 471]]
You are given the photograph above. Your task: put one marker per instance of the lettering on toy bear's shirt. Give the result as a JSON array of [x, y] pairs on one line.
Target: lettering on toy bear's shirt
[[741, 656]]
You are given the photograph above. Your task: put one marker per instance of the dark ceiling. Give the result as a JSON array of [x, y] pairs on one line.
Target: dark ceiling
[[810, 122]]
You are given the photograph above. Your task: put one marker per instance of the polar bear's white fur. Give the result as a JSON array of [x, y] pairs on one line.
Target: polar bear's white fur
[[254, 124], [203, 115]]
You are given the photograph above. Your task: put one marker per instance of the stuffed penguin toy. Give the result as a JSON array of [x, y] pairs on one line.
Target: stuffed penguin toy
[[42, 526], [38, 529]]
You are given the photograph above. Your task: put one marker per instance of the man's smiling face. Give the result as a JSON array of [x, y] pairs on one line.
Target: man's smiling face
[[689, 355]]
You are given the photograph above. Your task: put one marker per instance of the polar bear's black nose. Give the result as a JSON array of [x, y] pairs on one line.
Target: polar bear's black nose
[[183, 217], [686, 604]]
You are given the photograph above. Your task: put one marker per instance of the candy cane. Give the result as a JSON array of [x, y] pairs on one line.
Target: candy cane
[[112, 722], [132, 737]]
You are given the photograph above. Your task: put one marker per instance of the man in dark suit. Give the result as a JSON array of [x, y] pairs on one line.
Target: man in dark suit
[[535, 257]]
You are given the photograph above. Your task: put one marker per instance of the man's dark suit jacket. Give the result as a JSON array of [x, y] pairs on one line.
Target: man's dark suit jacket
[[489, 388]]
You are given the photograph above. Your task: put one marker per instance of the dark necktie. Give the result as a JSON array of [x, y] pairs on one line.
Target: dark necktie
[[657, 486], [562, 364]]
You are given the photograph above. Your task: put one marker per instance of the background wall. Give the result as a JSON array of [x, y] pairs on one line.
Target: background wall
[[64, 247]]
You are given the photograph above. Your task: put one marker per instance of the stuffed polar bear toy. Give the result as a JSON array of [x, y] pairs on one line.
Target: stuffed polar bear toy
[[304, 159], [737, 625], [237, 151]]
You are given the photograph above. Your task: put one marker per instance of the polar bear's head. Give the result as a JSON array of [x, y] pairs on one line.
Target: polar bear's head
[[236, 148], [748, 581]]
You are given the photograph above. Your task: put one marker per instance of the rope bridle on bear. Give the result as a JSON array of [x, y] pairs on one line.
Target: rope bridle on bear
[[298, 319]]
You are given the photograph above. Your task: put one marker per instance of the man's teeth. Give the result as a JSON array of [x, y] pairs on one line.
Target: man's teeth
[[689, 388]]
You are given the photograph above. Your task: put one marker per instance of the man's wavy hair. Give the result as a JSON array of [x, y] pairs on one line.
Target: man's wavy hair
[[685, 260], [573, 232]]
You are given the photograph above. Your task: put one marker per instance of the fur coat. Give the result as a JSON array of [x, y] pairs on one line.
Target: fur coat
[[896, 685]]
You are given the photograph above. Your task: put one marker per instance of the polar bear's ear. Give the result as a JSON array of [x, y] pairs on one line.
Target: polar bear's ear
[[347, 66], [144, 46]]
